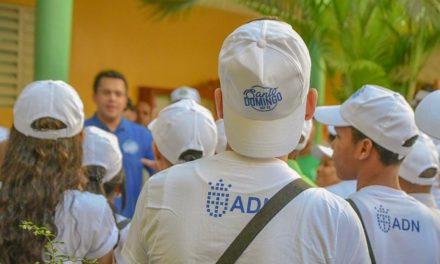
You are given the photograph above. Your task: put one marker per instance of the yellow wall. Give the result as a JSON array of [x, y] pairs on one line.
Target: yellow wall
[[118, 34], [169, 53]]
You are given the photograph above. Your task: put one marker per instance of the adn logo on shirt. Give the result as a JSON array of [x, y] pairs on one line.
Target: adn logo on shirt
[[219, 201], [386, 222]]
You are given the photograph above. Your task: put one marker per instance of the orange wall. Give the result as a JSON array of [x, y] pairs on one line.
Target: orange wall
[[119, 34]]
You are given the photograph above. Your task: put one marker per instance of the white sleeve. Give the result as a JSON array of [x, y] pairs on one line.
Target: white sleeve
[[135, 248], [105, 234], [351, 246]]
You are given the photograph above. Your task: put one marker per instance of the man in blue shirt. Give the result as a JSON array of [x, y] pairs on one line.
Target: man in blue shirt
[[110, 96]]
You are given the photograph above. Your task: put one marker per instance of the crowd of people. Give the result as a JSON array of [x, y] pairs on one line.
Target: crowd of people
[[249, 185]]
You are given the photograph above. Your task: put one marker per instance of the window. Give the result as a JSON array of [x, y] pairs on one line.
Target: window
[[16, 51]]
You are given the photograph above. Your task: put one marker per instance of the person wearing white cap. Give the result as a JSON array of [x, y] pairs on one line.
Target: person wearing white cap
[[327, 176], [192, 212], [110, 95], [428, 120], [291, 161], [375, 132], [182, 132], [419, 171], [185, 92], [102, 163], [42, 173]]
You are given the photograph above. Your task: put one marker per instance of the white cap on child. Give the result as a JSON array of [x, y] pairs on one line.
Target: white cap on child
[[182, 126]]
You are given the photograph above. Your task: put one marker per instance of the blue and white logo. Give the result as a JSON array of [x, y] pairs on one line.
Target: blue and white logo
[[383, 218], [218, 198], [262, 98], [386, 222], [130, 147]]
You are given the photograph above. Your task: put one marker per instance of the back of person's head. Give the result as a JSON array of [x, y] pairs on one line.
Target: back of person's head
[[185, 92], [379, 114], [427, 115], [264, 70], [422, 163], [305, 135], [43, 159], [102, 158], [184, 131], [108, 74]]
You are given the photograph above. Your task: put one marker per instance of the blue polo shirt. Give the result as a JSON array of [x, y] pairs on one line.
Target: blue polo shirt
[[135, 142]]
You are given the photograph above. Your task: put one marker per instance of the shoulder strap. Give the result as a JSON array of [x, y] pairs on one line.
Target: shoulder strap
[[121, 225], [259, 221], [370, 249]]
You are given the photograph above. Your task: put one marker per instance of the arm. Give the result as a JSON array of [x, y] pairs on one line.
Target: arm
[[107, 258]]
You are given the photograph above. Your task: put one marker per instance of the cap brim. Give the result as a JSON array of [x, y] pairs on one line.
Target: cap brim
[[320, 151], [263, 139], [330, 115]]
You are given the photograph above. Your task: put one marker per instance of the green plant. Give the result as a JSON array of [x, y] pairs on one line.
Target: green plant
[[52, 254]]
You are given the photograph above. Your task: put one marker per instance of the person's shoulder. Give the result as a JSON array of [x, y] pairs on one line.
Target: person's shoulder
[[85, 201], [136, 128], [320, 203]]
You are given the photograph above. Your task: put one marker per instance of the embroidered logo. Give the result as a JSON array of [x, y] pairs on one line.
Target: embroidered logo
[[218, 198], [383, 218], [130, 147], [262, 98]]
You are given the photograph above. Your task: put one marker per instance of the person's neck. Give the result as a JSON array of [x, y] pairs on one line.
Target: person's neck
[[414, 188], [375, 173], [111, 124]]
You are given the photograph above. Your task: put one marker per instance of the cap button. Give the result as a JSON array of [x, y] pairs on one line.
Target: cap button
[[261, 43]]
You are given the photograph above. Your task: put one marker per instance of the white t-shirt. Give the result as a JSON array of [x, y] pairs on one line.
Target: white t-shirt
[[122, 238], [191, 212], [436, 192], [86, 225], [343, 188], [425, 198], [400, 229]]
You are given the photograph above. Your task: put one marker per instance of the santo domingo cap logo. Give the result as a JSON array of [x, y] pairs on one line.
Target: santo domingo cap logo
[[262, 98], [218, 198]]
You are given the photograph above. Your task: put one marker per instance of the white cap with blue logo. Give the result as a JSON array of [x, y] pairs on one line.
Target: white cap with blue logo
[[380, 114], [264, 70]]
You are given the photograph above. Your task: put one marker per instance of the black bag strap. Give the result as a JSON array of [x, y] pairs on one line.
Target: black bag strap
[[259, 221], [370, 249]]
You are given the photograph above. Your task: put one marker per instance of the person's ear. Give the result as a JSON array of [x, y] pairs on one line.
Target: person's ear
[[218, 95], [312, 100], [364, 149]]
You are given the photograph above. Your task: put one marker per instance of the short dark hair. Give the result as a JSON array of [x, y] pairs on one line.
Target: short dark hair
[[386, 157], [108, 74]]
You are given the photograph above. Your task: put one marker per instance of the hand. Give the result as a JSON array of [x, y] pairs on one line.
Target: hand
[[151, 164]]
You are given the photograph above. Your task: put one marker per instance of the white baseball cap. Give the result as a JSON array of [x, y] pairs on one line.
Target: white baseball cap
[[305, 134], [182, 126], [428, 115], [380, 114], [321, 151], [101, 148], [185, 92], [264, 70], [222, 141], [54, 99], [423, 156]]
